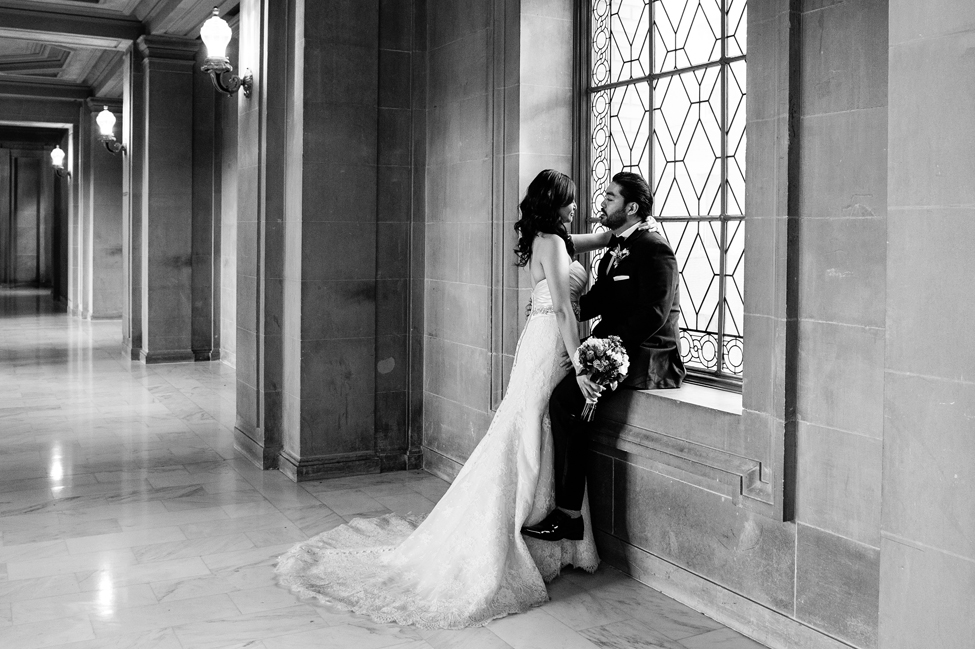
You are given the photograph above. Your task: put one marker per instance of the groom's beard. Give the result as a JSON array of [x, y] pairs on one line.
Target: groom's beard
[[614, 220]]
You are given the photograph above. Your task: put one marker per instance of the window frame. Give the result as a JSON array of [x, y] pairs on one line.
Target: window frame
[[718, 378]]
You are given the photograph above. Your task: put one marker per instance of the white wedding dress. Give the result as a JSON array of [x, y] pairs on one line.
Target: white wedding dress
[[467, 562]]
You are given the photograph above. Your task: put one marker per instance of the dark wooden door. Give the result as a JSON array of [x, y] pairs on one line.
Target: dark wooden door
[[26, 218]]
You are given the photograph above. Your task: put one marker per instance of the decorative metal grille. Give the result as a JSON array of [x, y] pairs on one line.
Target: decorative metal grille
[[667, 100]]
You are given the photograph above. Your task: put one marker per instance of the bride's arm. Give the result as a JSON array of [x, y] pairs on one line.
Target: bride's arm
[[550, 251], [592, 241]]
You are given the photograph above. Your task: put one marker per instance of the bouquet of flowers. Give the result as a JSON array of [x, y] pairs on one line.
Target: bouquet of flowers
[[604, 361]]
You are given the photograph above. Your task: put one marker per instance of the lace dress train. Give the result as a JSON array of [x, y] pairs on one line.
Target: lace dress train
[[467, 562]]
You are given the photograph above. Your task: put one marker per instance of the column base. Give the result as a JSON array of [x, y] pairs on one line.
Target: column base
[[440, 465], [153, 358], [203, 355], [327, 466], [262, 457], [400, 461], [129, 352]]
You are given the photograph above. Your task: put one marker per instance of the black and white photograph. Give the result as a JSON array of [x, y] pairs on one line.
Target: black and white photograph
[[487, 324]]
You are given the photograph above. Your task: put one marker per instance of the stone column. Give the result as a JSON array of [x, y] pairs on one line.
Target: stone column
[[313, 398], [103, 209], [133, 133], [400, 232], [167, 198], [264, 51], [74, 225], [331, 235], [82, 287]]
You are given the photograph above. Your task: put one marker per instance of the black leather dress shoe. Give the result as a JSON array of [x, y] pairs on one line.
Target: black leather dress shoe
[[556, 526]]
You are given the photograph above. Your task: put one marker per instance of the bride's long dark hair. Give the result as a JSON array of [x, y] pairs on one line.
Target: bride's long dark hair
[[547, 194]]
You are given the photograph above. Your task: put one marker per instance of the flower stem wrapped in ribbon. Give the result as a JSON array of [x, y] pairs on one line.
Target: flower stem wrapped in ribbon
[[605, 362]]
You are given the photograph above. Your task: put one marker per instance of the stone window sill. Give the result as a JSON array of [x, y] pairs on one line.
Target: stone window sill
[[702, 396], [690, 434]]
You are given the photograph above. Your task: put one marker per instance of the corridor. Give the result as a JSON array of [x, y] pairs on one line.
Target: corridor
[[127, 522]]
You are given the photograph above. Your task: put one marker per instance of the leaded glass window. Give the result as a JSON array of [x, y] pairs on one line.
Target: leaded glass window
[[666, 98]]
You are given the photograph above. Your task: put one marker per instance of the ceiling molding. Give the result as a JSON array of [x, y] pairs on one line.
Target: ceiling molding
[[78, 65], [184, 17], [43, 89], [111, 85], [46, 59], [95, 104], [107, 65], [69, 29]]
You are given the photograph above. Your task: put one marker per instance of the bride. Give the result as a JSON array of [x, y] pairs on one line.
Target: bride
[[467, 563]]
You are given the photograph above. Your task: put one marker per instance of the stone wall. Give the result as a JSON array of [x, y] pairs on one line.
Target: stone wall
[[499, 109], [789, 555], [842, 205], [101, 212], [764, 510], [927, 530], [227, 175], [459, 150], [400, 161]]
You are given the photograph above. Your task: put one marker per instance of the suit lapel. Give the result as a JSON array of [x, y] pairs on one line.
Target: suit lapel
[[603, 265], [625, 260]]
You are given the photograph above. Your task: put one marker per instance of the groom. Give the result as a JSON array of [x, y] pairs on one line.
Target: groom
[[636, 296]]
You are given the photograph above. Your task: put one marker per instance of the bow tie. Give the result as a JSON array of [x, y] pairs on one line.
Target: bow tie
[[616, 242]]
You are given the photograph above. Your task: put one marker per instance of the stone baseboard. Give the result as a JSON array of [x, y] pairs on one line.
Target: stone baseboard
[[319, 467], [129, 352], [749, 618], [204, 355], [440, 465], [153, 358], [401, 461], [260, 456]]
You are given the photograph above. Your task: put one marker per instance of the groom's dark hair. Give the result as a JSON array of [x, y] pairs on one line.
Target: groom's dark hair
[[634, 189]]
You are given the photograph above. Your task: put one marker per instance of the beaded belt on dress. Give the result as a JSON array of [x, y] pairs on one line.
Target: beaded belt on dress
[[546, 310]]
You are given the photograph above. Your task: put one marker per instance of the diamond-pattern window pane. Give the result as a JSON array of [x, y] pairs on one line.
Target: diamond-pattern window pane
[[630, 128], [737, 140], [697, 246], [687, 134], [734, 297], [630, 27], [737, 19], [668, 101], [600, 43], [620, 40], [686, 33], [600, 143]]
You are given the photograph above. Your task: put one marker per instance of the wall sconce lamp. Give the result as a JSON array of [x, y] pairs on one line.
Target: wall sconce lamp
[[57, 161], [106, 131], [216, 35]]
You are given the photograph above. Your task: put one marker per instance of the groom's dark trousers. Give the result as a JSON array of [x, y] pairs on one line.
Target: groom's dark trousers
[[637, 299]]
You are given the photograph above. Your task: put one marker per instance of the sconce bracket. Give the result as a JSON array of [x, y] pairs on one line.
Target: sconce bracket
[[61, 172], [219, 69], [114, 146]]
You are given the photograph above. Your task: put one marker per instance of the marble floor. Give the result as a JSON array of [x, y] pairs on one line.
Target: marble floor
[[127, 521]]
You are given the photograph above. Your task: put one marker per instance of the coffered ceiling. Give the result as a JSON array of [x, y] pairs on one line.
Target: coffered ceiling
[[76, 44]]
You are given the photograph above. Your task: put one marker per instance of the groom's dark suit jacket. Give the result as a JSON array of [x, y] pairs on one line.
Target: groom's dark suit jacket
[[639, 301]]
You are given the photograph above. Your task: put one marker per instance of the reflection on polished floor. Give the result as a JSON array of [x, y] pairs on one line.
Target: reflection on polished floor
[[126, 521]]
